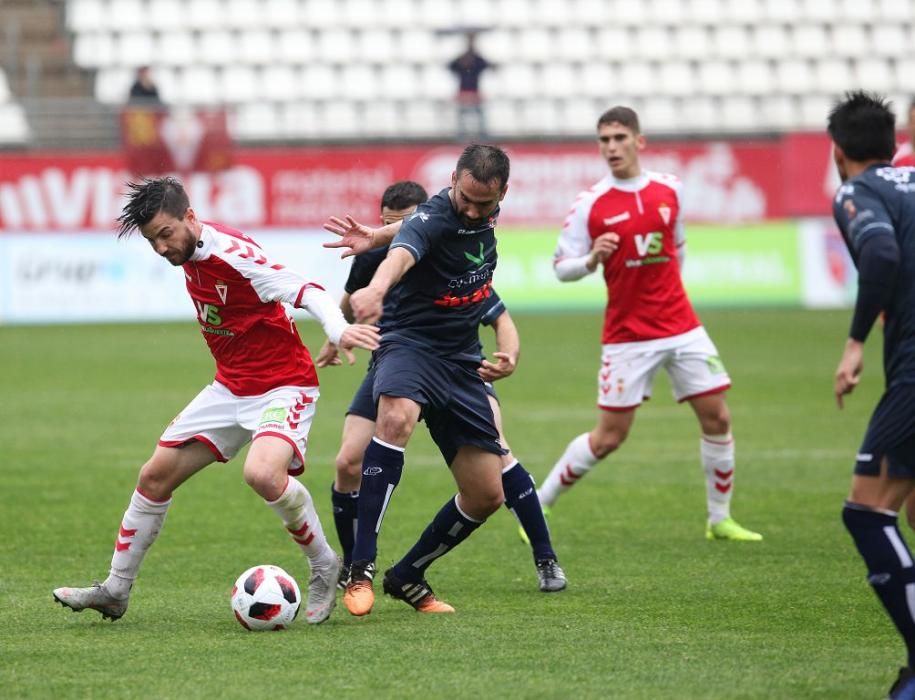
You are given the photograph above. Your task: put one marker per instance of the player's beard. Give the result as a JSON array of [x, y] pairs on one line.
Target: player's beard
[[182, 256]]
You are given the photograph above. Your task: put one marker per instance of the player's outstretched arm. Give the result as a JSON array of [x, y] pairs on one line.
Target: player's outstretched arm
[[358, 335], [367, 302], [329, 355], [508, 350], [358, 238]]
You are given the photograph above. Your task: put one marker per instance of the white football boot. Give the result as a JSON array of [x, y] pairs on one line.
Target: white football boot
[[95, 597], [322, 591]]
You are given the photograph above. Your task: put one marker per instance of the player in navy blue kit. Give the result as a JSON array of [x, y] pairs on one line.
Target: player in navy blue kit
[[431, 288], [398, 201], [875, 211]]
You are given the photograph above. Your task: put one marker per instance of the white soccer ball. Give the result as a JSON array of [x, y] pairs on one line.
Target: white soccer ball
[[265, 598]]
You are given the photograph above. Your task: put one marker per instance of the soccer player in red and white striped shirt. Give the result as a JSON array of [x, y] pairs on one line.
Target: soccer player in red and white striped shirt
[[629, 223], [264, 391]]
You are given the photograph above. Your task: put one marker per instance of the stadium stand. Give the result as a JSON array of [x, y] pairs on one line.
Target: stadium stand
[[292, 69]]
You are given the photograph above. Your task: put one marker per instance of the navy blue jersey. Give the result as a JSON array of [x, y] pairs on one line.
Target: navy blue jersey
[[363, 269], [440, 302], [881, 202]]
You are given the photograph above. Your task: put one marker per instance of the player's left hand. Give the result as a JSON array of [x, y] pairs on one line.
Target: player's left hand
[[492, 371], [848, 373], [328, 355], [358, 335]]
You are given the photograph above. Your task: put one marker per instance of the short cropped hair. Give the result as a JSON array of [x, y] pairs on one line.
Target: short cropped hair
[[863, 126], [148, 198], [403, 195], [620, 115], [485, 163]]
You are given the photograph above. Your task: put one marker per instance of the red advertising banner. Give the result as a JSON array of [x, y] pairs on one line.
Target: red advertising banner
[[724, 181]]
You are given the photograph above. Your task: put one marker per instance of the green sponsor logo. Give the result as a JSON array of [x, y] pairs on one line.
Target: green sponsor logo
[[477, 260], [273, 415], [715, 365]]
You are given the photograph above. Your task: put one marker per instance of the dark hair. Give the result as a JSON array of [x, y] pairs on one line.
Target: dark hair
[[484, 163], [148, 198], [863, 126], [620, 115], [403, 195]]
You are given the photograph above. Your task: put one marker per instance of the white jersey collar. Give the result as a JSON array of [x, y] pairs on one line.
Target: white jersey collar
[[631, 184], [204, 244]]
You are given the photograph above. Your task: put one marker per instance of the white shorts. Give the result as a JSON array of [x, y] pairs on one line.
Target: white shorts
[[225, 422], [627, 369]]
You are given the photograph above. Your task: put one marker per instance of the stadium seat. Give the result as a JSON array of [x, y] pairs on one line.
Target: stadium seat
[[637, 79], [857, 11], [281, 83], [575, 44], [425, 120], [167, 15], [14, 127], [671, 13], [435, 14], [591, 13], [198, 85], [517, 80], [239, 84], [743, 12], [298, 119], [321, 81], [5, 94], [818, 11], [781, 10], [417, 45], [889, 40], [779, 111], [809, 41], [217, 48], [85, 15], [398, 14], [739, 113], [548, 13], [905, 77], [771, 41], [113, 84], [94, 50], [597, 79], [691, 42], [295, 45], [832, 75], [535, 44], [813, 111], [699, 113], [372, 45], [257, 47], [498, 45], [730, 41], [341, 119], [334, 45], [630, 14], [716, 78], [873, 74], [660, 115], [254, 120], [651, 42], [848, 40], [558, 80], [676, 78], [245, 14], [399, 81], [361, 81], [435, 82], [176, 49], [135, 49], [614, 43], [754, 77], [895, 11], [360, 14], [126, 15], [206, 15], [794, 76], [538, 116]]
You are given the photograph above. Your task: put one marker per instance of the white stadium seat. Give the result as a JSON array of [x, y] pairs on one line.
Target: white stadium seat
[[575, 44], [295, 46], [754, 77], [771, 41], [254, 120], [167, 14], [731, 41], [86, 15], [498, 45], [558, 80], [651, 43], [832, 75], [676, 78], [598, 79], [206, 15], [637, 79], [217, 48], [716, 77], [281, 83], [691, 41], [5, 93], [125, 15], [889, 40], [245, 14], [809, 40], [739, 113], [873, 74], [794, 76], [176, 49], [239, 84], [361, 81], [135, 49], [321, 82], [14, 127]]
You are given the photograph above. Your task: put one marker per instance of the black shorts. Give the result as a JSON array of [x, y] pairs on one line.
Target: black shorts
[[452, 395], [891, 435], [364, 406]]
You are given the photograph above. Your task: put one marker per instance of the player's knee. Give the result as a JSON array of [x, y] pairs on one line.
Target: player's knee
[[266, 480], [483, 503], [349, 469], [717, 423], [155, 480], [395, 427]]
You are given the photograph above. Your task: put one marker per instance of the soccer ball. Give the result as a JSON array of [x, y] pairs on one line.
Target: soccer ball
[[265, 598]]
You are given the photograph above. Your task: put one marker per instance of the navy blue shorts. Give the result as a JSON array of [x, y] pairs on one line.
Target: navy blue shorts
[[891, 435], [452, 395], [364, 406]]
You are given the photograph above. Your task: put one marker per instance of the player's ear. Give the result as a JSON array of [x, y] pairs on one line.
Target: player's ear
[[504, 190], [453, 178], [640, 141], [190, 217]]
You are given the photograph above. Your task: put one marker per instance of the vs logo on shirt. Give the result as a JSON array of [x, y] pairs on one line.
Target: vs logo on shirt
[[208, 313], [649, 243]]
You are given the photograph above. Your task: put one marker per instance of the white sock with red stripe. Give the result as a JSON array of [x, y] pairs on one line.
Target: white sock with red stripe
[[297, 511], [139, 528], [717, 454], [575, 462]]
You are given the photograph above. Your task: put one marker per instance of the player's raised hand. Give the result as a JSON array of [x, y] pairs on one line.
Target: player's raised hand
[[605, 245], [366, 304], [354, 237], [503, 367], [358, 335], [328, 355], [848, 373]]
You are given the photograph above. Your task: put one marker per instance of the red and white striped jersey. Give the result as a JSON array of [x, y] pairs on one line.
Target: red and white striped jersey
[[239, 295], [645, 295]]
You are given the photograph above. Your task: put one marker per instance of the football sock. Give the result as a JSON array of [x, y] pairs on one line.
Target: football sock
[[717, 455], [139, 528], [521, 499], [346, 513], [381, 470], [890, 570], [575, 462], [448, 529], [297, 511]]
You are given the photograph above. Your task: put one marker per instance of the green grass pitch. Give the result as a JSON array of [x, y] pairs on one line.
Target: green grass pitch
[[652, 609]]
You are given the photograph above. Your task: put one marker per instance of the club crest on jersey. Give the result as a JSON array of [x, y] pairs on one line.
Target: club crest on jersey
[[222, 289], [664, 211], [849, 207]]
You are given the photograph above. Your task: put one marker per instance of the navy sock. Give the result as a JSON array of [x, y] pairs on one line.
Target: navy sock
[[447, 530], [521, 499], [381, 469], [889, 566], [346, 514]]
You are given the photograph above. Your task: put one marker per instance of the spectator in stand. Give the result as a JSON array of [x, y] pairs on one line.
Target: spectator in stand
[[144, 92], [468, 67], [905, 154]]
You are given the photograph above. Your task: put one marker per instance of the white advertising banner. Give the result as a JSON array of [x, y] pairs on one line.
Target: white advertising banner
[[828, 273], [83, 277]]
